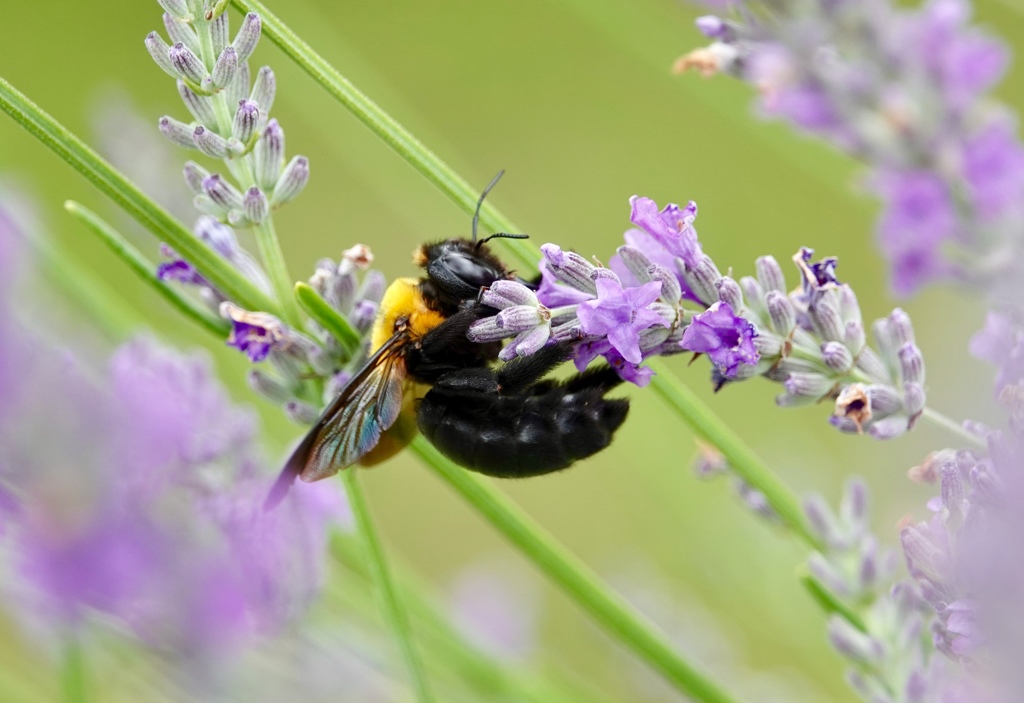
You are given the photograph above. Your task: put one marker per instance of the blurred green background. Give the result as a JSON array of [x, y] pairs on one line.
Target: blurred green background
[[575, 100]]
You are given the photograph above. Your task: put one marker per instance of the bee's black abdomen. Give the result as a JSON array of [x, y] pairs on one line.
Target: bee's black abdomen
[[498, 423]]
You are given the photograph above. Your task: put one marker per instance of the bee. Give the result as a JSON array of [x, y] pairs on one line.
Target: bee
[[507, 421]]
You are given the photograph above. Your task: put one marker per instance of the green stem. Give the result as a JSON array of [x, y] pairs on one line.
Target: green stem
[[828, 601], [387, 128], [146, 270], [122, 191], [73, 675], [392, 608], [953, 427], [608, 608], [742, 458], [273, 259], [329, 318]]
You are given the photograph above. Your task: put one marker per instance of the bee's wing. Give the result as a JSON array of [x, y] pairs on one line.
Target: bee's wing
[[352, 424]]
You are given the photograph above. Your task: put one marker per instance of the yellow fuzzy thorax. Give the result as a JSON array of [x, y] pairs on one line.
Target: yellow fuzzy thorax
[[403, 299]]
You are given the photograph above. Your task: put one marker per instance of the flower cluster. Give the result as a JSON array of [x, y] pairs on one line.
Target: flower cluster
[[905, 91], [663, 295]]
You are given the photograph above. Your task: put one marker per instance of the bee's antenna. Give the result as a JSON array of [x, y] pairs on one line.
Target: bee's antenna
[[480, 202], [501, 235]]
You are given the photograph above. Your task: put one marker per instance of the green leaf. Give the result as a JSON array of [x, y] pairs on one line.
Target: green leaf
[[329, 318], [122, 191], [828, 601], [146, 270]]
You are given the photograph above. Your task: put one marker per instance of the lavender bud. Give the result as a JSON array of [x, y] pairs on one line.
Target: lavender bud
[[248, 35], [768, 345], [951, 486], [729, 292], [849, 308], [852, 643], [753, 293], [181, 33], [714, 27], [703, 279], [602, 272], [300, 412], [826, 318], [200, 106], [268, 386], [194, 174], [504, 294], [186, 63], [637, 263], [911, 363], [870, 364], [901, 328], [210, 143], [867, 572], [246, 118], [837, 357], [255, 205], [363, 315], [269, 153], [239, 88], [293, 179], [374, 284], [827, 574], [203, 204], [159, 49], [769, 274], [177, 8], [486, 330], [780, 312], [178, 132], [913, 399], [264, 89], [219, 32], [807, 386], [853, 508], [226, 68], [569, 268], [220, 237], [520, 318], [222, 192], [884, 400], [853, 337], [888, 428]]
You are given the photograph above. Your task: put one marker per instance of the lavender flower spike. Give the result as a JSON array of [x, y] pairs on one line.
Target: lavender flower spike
[[621, 314], [254, 333], [521, 316]]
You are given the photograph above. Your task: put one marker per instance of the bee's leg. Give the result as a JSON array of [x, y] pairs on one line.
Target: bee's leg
[[446, 347], [516, 375]]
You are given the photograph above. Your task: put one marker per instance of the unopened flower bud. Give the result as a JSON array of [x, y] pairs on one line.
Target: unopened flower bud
[[238, 89], [853, 508], [181, 33], [901, 328], [263, 89], [200, 106], [222, 192], [913, 398], [226, 68], [753, 294], [849, 308], [769, 274], [889, 427], [826, 318], [177, 8], [194, 175], [363, 314], [247, 116], [853, 337], [768, 345], [247, 37], [911, 363], [268, 386], [374, 284], [178, 132], [219, 33], [210, 143], [854, 644], [805, 386], [269, 153], [255, 205], [780, 312], [869, 362], [293, 179], [729, 292], [159, 50], [884, 400], [703, 279], [519, 318], [820, 517], [636, 262], [714, 28], [671, 291], [186, 63], [301, 412], [570, 268], [837, 357], [504, 294]]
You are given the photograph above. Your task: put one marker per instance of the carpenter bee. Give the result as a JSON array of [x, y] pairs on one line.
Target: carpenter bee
[[505, 421]]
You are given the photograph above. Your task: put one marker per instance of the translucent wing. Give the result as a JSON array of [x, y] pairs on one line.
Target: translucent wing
[[352, 424]]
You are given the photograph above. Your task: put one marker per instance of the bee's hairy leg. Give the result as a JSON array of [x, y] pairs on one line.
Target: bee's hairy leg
[[516, 375]]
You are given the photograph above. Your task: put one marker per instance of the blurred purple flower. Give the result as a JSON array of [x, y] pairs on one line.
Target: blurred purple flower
[[620, 314], [725, 337], [1001, 343], [495, 612], [993, 165]]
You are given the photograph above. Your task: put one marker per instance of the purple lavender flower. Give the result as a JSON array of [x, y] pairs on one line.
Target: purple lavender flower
[[255, 334], [620, 314], [671, 227], [725, 337], [1001, 343]]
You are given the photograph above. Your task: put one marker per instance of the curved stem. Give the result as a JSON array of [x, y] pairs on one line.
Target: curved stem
[[393, 608], [608, 608], [73, 675], [951, 426]]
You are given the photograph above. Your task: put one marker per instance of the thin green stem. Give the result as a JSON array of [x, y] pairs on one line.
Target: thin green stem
[[742, 458], [953, 427], [608, 608], [392, 607], [74, 679], [273, 259], [329, 318], [828, 601], [146, 270], [122, 191]]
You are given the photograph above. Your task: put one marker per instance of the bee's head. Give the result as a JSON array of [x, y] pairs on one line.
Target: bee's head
[[458, 268]]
